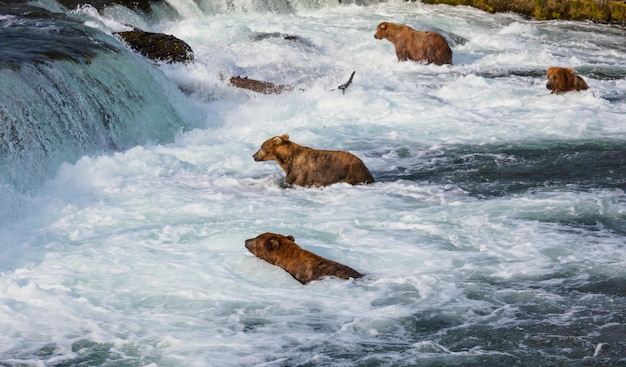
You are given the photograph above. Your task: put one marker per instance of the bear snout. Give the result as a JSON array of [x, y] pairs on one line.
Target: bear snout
[[549, 85], [258, 156], [250, 244]]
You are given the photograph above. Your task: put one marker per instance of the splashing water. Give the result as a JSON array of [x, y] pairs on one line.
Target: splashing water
[[493, 235]]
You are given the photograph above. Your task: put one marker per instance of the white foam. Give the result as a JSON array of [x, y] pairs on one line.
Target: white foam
[[144, 248]]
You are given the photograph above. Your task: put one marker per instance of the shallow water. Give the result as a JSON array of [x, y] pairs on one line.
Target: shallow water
[[494, 233]]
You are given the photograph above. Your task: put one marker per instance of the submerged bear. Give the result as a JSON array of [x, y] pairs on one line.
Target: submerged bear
[[303, 265], [415, 45], [564, 80], [306, 166]]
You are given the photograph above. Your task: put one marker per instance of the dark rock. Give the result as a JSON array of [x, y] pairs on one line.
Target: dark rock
[[158, 46], [260, 86], [260, 36]]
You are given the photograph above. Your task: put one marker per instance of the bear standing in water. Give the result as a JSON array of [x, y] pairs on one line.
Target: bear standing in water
[[305, 166], [303, 265], [415, 45], [564, 80]]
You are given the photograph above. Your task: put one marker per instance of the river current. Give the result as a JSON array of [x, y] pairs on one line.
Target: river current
[[494, 234]]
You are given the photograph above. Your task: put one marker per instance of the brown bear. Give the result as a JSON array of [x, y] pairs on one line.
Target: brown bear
[[415, 45], [303, 265], [305, 166], [564, 80]]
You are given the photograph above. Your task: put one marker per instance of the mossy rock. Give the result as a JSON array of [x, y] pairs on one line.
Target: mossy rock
[[593, 10], [158, 46]]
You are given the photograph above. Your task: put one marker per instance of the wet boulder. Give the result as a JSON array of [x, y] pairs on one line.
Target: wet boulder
[[157, 46]]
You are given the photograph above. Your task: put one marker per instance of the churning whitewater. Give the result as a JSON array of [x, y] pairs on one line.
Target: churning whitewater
[[494, 233]]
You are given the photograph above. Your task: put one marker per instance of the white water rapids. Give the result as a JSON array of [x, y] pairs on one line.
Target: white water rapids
[[494, 234]]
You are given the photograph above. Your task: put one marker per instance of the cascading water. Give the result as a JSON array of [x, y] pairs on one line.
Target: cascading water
[[68, 90], [493, 235]]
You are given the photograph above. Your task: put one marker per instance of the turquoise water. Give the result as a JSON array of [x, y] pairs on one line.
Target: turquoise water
[[493, 235]]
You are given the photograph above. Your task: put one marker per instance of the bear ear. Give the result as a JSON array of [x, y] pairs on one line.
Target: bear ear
[[273, 244], [383, 25], [570, 70], [291, 238], [280, 139]]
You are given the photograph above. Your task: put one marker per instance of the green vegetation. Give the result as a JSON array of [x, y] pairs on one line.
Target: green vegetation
[[595, 10]]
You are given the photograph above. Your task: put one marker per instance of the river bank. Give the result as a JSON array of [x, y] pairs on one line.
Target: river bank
[[612, 12]]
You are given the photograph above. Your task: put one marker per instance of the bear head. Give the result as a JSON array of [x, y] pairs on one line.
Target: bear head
[[563, 80], [383, 29], [268, 149], [267, 245]]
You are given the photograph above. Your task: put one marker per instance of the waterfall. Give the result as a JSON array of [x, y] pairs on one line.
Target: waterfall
[[67, 90]]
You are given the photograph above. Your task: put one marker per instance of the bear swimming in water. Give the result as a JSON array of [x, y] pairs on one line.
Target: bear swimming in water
[[306, 166], [415, 45], [303, 265], [564, 80]]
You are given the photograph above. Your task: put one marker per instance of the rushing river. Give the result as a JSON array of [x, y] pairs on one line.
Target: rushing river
[[494, 235]]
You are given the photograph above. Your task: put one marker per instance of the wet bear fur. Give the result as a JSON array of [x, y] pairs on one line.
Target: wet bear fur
[[305, 166], [415, 45], [564, 80], [303, 265]]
